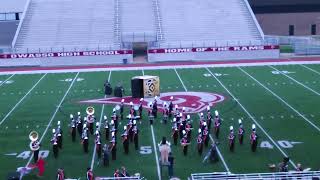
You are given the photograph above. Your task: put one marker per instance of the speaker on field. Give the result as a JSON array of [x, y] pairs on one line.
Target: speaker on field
[[137, 88], [107, 88], [118, 91]]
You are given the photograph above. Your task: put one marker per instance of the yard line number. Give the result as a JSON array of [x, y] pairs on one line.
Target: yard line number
[[27, 154], [283, 143], [145, 150]]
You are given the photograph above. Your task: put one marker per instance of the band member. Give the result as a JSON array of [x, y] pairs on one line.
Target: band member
[[217, 124], [201, 121], [150, 114], [165, 113], [54, 142], [132, 110], [129, 128], [79, 124], [113, 128], [175, 132], [115, 118], [205, 134], [254, 139], [135, 135], [155, 107], [73, 125], [85, 138], [90, 123], [60, 174], [188, 128], [98, 145], [184, 143], [59, 134], [36, 146], [231, 139], [176, 112], [124, 172], [209, 118], [240, 132], [140, 108], [116, 173], [113, 146], [125, 140], [199, 142], [170, 107], [106, 127], [106, 153], [89, 175], [121, 109]]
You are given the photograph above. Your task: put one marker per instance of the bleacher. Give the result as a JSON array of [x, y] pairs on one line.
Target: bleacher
[[193, 21], [137, 20], [67, 24]]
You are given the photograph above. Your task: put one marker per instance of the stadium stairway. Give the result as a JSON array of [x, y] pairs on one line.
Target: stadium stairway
[[68, 24]]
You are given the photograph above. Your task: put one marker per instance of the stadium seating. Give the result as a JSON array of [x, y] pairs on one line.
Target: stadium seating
[[68, 23], [225, 20]]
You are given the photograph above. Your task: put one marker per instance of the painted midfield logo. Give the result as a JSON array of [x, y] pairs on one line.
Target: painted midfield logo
[[194, 102]]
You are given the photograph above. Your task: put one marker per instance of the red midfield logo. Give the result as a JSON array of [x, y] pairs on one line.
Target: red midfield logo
[[194, 102]]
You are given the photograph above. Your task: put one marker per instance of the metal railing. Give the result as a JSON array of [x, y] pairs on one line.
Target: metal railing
[[48, 49], [25, 10], [258, 176], [222, 43], [254, 18], [117, 19]]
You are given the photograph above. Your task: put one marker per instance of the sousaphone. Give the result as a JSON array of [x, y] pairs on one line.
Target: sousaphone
[[90, 110]]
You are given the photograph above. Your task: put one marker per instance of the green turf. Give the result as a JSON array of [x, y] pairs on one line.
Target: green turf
[[278, 120]]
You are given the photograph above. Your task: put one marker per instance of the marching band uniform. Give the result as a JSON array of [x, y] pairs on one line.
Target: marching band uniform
[[201, 121], [217, 124], [113, 148], [90, 120], [116, 173], [188, 128], [85, 139], [60, 174], [170, 107], [200, 142], [184, 143], [132, 111], [89, 174], [125, 140], [150, 115], [98, 145], [36, 145], [121, 109], [135, 135], [106, 128], [209, 118], [73, 128], [205, 134], [79, 124], [155, 108], [231, 139], [165, 113], [254, 139], [175, 132], [106, 155], [240, 132], [140, 108], [59, 134], [115, 118], [130, 132], [54, 142]]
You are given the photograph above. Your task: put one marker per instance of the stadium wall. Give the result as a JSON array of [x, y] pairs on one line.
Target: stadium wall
[[212, 54]]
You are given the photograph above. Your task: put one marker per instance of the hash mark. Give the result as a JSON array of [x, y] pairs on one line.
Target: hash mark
[[60, 92], [292, 116], [281, 117], [272, 117], [253, 84], [99, 89], [275, 83], [261, 117], [245, 84], [314, 82], [269, 84], [311, 115], [284, 83], [177, 87], [207, 85], [169, 87], [11, 93], [17, 127]]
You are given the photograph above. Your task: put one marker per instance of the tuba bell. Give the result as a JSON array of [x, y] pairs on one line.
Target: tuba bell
[[90, 110], [34, 144]]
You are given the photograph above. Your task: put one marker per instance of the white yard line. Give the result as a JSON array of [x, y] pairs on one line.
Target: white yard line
[[17, 104], [219, 153], [287, 104], [251, 117], [155, 152], [6, 80], [101, 115], [317, 72], [306, 87], [54, 115], [155, 147]]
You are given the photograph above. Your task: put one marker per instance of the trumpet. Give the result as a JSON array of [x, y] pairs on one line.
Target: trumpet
[[90, 110], [34, 144]]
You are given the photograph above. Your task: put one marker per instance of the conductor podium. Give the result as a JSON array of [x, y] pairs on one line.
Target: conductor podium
[[145, 86]]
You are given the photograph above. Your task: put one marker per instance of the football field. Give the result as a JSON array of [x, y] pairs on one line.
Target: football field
[[282, 101]]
